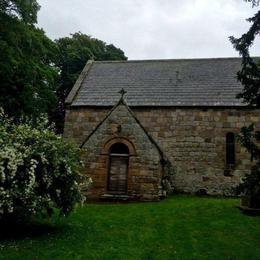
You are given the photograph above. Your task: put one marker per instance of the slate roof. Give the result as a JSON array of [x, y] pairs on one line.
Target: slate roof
[[180, 82]]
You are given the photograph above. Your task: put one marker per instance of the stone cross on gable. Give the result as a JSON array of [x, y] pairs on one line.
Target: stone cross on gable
[[122, 92]]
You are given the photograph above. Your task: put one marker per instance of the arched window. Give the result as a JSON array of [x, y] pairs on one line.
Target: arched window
[[118, 167], [230, 149]]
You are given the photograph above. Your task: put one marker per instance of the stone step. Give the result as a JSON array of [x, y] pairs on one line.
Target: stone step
[[114, 197]]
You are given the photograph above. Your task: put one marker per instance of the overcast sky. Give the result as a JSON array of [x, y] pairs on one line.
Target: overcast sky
[[152, 29]]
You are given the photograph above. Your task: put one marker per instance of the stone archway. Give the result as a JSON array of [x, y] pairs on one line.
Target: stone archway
[[122, 140]]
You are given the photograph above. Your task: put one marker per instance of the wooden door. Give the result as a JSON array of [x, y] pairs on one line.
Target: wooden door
[[117, 182]]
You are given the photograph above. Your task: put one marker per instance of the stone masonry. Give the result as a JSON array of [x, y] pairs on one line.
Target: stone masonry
[[175, 123], [144, 168], [193, 139]]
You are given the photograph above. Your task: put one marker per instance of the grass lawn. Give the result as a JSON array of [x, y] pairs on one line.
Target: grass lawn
[[179, 227]]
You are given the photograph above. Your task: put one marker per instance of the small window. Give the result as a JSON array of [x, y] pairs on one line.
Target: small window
[[119, 148], [230, 149]]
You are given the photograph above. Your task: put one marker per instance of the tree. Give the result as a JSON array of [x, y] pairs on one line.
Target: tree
[[254, 2], [37, 73], [27, 56], [26, 10], [73, 53], [249, 76]]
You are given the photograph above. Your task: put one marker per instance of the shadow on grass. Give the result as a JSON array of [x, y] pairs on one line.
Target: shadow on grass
[[30, 230], [252, 212]]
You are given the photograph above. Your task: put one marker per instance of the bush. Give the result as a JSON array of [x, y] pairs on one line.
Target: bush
[[39, 171], [250, 184]]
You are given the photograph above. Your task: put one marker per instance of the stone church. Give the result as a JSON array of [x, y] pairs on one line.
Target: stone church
[[147, 127]]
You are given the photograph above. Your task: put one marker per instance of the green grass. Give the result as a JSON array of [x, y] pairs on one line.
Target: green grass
[[180, 227]]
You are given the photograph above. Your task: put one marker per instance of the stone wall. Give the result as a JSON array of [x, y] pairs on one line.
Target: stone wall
[[193, 139]]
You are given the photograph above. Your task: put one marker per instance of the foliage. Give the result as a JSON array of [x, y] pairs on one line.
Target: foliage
[[248, 139], [28, 76], [179, 227], [39, 171], [249, 76], [73, 53], [250, 184], [36, 73], [26, 10], [254, 2]]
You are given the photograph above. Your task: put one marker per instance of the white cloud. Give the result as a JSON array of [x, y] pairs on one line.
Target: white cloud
[[150, 29]]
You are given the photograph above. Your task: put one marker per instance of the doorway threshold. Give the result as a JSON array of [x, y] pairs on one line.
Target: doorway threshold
[[108, 196]]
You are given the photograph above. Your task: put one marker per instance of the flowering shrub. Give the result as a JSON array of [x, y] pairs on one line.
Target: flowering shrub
[[39, 171]]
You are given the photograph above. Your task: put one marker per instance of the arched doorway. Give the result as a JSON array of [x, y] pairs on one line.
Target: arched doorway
[[118, 167]]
